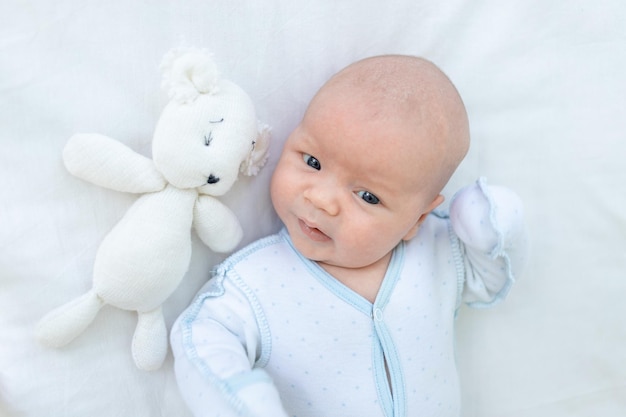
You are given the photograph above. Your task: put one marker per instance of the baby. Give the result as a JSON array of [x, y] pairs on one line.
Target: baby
[[350, 309]]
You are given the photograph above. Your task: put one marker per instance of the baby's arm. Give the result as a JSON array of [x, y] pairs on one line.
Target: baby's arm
[[111, 164], [216, 343], [489, 223]]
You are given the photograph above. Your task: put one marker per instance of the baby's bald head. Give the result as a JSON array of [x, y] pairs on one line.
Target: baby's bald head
[[417, 93]]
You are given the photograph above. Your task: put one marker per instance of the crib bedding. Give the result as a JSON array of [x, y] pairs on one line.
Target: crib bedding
[[544, 83]]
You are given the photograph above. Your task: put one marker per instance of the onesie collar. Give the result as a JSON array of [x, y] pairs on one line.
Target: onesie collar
[[346, 294]]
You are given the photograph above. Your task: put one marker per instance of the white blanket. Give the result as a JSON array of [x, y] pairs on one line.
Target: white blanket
[[544, 82]]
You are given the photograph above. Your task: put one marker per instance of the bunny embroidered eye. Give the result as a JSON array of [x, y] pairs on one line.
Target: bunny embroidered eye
[[312, 161], [209, 138], [368, 197]]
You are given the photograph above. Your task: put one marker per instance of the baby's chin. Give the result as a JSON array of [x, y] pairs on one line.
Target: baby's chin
[[331, 265], [322, 249]]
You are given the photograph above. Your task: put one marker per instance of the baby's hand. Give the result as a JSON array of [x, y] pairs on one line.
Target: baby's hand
[[486, 218]]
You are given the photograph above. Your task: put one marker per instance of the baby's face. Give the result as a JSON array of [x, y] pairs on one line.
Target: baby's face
[[350, 185]]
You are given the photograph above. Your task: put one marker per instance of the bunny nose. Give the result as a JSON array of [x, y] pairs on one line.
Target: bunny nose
[[212, 179]]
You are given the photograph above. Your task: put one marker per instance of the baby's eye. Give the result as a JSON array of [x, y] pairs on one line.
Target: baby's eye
[[311, 161], [368, 197]]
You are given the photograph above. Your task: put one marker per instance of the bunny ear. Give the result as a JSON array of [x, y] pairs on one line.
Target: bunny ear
[[188, 73], [259, 153]]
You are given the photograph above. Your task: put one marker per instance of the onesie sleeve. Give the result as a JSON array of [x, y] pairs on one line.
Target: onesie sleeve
[[216, 343], [488, 221]]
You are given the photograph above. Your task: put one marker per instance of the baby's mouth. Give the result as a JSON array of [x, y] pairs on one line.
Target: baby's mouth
[[312, 232]]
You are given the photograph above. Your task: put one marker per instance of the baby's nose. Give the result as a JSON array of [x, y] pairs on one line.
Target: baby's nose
[[324, 198], [212, 179]]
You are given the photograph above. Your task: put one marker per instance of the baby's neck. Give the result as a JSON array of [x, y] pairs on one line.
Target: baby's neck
[[365, 281]]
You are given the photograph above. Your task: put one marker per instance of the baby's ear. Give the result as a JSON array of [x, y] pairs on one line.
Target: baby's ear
[[436, 202], [259, 152]]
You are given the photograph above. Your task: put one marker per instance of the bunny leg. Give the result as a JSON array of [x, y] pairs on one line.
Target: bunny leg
[[62, 325], [149, 346]]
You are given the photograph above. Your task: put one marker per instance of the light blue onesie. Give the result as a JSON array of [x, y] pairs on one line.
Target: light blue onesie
[[272, 334]]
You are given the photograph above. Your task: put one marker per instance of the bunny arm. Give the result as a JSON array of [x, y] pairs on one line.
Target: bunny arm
[[216, 225], [108, 163]]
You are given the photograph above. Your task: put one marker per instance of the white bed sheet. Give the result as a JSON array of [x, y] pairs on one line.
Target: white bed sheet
[[545, 86]]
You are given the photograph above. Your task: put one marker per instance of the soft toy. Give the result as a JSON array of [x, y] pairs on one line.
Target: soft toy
[[206, 135]]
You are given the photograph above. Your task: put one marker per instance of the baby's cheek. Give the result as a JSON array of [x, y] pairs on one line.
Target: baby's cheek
[[276, 185], [282, 194]]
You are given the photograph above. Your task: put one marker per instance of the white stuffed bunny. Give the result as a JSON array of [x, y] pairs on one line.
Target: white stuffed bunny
[[206, 135]]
